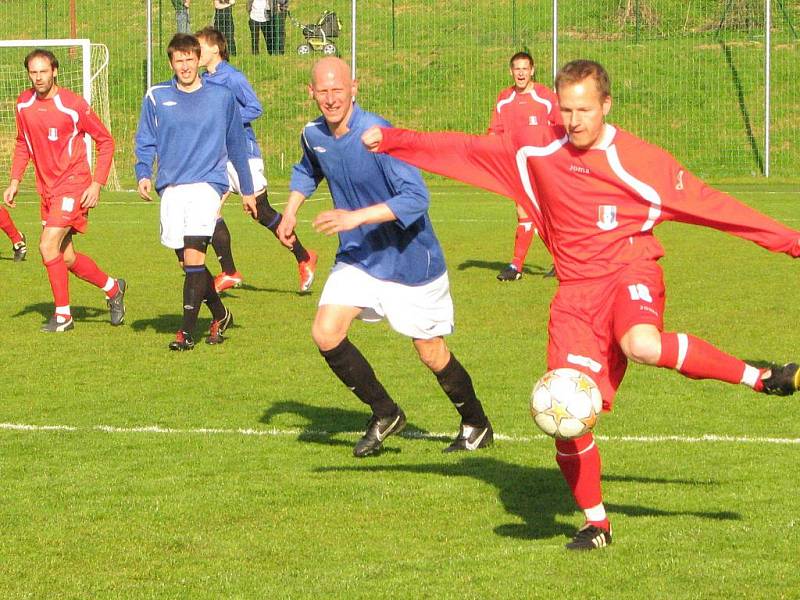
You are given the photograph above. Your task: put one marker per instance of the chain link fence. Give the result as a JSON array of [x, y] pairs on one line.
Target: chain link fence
[[689, 76]]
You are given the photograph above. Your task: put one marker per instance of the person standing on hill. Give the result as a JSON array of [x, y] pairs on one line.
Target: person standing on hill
[[524, 104], [51, 125]]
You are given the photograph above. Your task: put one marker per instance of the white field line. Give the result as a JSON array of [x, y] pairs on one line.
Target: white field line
[[274, 432]]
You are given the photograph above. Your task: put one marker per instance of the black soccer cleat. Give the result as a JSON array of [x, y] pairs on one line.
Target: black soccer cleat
[[590, 537], [782, 381], [471, 438], [20, 249], [510, 273], [183, 341], [378, 429], [54, 326], [116, 304]]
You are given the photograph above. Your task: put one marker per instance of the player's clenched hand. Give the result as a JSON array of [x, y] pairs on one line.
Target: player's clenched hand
[[336, 220], [285, 230], [144, 188], [372, 138], [249, 205], [90, 195], [9, 194]]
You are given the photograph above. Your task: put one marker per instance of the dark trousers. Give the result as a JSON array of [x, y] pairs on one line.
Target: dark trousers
[[257, 28], [276, 33], [223, 21]]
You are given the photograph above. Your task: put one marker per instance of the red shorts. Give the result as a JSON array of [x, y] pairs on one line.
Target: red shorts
[[588, 319], [62, 208]]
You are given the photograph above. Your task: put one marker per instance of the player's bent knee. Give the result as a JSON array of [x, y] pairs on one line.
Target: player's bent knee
[[643, 349], [433, 353]]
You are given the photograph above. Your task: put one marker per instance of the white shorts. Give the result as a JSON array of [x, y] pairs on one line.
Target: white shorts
[[422, 312], [189, 209], [256, 172]]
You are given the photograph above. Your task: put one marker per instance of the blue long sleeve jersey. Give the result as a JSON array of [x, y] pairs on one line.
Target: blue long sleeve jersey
[[250, 108], [405, 250], [193, 135]]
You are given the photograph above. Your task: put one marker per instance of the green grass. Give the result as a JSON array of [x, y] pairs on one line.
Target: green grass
[[248, 488]]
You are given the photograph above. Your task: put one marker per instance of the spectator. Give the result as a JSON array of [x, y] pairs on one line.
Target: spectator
[[182, 15], [276, 26], [258, 9], [223, 22]]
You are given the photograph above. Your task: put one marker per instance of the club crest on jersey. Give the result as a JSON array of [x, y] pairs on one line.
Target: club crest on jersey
[[533, 120], [52, 134], [607, 217]]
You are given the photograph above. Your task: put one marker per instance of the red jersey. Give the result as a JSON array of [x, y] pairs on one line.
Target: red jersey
[[595, 209], [514, 110], [51, 133]]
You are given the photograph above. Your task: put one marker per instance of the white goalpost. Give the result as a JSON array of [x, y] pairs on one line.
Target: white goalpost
[[83, 68]]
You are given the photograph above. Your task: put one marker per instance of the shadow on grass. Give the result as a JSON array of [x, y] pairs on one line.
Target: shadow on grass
[[231, 293], [167, 324], [538, 496], [324, 423], [79, 313], [499, 266]]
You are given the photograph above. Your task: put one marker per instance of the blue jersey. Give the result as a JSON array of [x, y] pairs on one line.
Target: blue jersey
[[193, 134], [405, 250], [249, 106]]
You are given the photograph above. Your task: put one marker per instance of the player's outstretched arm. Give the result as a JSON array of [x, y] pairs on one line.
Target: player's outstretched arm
[[10, 193], [336, 220]]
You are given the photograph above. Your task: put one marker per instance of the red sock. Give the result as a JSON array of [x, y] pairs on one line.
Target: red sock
[[698, 359], [59, 280], [85, 268], [579, 461], [7, 225], [522, 241]]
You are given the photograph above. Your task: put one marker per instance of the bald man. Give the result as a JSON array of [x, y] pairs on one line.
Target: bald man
[[389, 263]]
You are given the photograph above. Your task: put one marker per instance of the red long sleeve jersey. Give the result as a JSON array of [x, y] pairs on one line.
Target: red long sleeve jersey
[[514, 110], [50, 132], [595, 209]]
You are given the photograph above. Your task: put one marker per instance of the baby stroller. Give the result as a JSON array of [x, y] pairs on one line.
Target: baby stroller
[[320, 36]]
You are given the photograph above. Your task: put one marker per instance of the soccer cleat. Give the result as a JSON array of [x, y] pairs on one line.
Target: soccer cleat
[[116, 304], [471, 438], [20, 249], [551, 272], [183, 341], [378, 429], [590, 537], [218, 328], [782, 381], [307, 268], [56, 326], [225, 281], [510, 273]]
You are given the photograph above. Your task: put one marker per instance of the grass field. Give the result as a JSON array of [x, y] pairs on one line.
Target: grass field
[[129, 471]]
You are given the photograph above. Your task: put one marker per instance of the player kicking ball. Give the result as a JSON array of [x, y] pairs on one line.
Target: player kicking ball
[[596, 192], [192, 129], [51, 124]]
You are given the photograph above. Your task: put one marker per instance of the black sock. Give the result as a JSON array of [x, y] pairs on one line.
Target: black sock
[[194, 290], [354, 371], [221, 242], [212, 298], [457, 384], [270, 218]]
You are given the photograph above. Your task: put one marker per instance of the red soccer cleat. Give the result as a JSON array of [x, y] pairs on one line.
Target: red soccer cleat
[[307, 268], [225, 281]]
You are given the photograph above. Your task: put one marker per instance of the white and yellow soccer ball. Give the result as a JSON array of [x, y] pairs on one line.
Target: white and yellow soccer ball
[[565, 403]]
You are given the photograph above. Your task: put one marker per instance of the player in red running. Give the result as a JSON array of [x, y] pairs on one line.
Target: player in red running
[[18, 241], [524, 104], [51, 127], [595, 193]]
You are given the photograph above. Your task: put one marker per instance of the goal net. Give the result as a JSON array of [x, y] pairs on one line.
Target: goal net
[[82, 68]]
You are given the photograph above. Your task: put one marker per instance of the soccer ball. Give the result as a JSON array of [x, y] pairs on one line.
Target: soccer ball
[[565, 403]]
